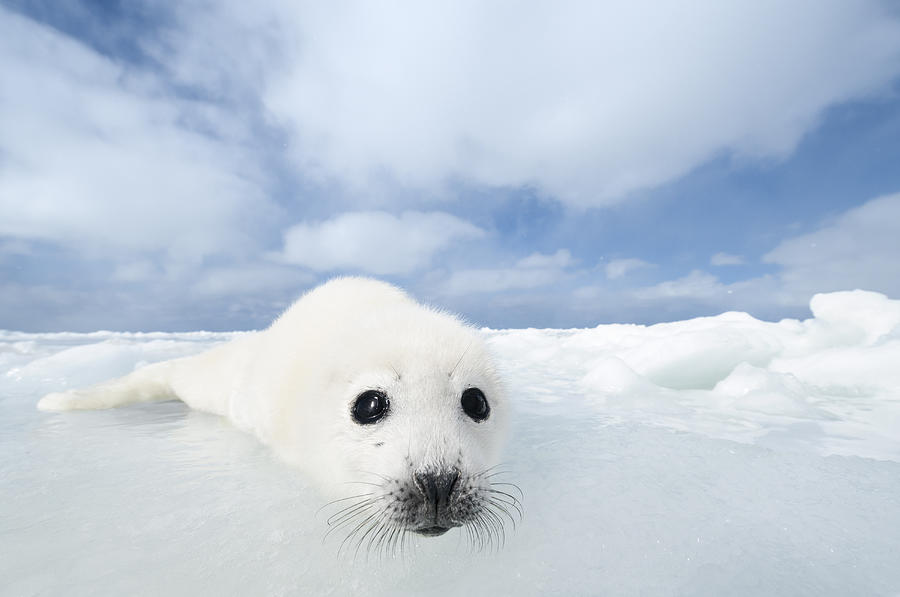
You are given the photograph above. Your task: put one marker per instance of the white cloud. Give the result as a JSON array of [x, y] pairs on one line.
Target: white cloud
[[256, 279], [475, 281], [14, 247], [582, 101], [561, 259], [858, 249], [101, 157], [374, 241], [619, 267], [140, 270], [530, 272], [723, 259], [697, 284]]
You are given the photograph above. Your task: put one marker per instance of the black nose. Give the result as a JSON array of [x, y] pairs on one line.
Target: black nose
[[437, 487]]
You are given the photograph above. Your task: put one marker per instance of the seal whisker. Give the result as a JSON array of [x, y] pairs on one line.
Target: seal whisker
[[513, 485], [452, 371], [347, 521], [483, 534], [362, 507], [490, 469], [488, 531], [390, 543], [491, 477], [472, 537], [494, 502], [393, 541], [383, 539], [348, 514], [343, 516], [373, 473], [501, 527], [491, 522], [468, 529], [343, 499], [362, 483], [478, 535], [365, 472], [508, 504], [377, 543], [400, 541], [376, 524], [358, 527], [349, 511], [394, 369], [517, 503], [512, 504], [397, 541], [403, 538], [495, 474], [505, 507]]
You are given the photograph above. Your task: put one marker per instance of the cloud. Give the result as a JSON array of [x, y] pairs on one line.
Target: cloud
[[584, 102], [475, 281], [103, 157], [135, 271], [857, 249], [174, 169], [561, 259], [697, 284], [619, 267], [722, 259], [533, 271], [255, 279], [374, 241], [13, 247]]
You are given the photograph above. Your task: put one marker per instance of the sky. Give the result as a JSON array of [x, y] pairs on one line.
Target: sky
[[197, 165]]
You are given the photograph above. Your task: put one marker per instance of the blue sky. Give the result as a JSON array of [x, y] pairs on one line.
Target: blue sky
[[193, 166]]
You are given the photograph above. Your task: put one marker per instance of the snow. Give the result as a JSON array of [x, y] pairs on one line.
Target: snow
[[721, 455]]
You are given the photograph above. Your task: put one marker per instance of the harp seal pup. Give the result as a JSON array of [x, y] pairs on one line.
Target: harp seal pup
[[395, 408]]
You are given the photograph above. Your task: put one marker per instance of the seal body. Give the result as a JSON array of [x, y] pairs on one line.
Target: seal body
[[395, 406]]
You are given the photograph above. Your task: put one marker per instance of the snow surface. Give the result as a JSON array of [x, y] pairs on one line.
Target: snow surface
[[722, 455]]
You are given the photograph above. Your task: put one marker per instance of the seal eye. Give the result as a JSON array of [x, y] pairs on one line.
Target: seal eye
[[475, 404], [370, 406]]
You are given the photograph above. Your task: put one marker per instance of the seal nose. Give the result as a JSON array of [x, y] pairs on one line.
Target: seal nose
[[437, 487]]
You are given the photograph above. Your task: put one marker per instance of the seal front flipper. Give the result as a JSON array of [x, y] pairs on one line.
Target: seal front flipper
[[147, 384]]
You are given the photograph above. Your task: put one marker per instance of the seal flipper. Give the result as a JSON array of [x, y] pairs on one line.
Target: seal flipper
[[147, 384]]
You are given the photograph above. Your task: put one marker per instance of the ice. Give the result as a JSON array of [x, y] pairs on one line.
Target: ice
[[835, 376], [721, 455]]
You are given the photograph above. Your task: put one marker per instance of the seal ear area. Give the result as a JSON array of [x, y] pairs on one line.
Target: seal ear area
[[475, 404], [370, 407]]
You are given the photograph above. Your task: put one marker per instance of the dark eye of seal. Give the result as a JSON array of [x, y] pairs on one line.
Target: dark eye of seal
[[475, 404], [370, 406]]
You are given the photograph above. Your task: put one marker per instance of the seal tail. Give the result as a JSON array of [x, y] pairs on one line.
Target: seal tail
[[147, 384]]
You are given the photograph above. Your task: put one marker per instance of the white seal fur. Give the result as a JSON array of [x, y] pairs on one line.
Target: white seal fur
[[424, 466]]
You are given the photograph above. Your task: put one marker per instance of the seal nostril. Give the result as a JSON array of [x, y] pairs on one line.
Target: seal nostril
[[452, 478], [437, 487], [426, 486]]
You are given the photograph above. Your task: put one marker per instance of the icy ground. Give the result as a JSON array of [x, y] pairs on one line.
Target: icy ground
[[717, 456]]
